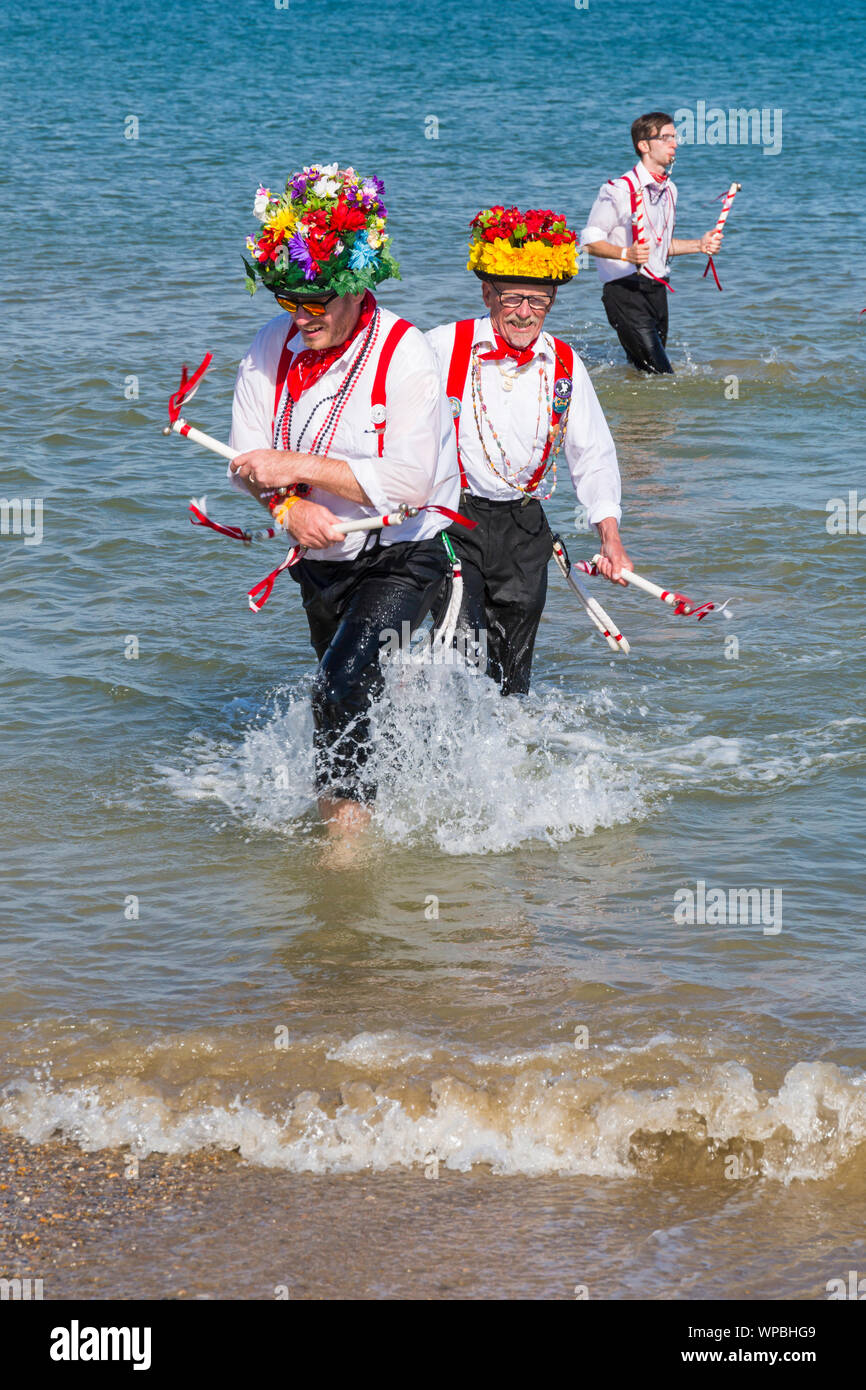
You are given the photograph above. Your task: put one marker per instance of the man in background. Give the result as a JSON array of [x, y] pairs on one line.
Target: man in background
[[634, 273]]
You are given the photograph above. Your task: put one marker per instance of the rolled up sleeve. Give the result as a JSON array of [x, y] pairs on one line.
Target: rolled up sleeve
[[253, 401], [605, 216], [249, 428]]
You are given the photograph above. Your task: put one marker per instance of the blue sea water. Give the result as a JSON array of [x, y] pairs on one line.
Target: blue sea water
[[169, 903]]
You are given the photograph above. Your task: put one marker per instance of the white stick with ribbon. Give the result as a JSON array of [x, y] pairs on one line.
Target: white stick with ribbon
[[641, 239], [683, 607], [723, 217], [216, 446], [599, 618]]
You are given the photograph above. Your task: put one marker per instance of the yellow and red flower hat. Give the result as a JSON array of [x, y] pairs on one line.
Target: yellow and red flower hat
[[510, 245]]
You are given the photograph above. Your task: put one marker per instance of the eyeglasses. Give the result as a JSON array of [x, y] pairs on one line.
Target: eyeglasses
[[668, 139], [510, 300], [316, 307]]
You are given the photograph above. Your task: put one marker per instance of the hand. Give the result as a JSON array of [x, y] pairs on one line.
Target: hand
[[710, 243], [613, 560], [313, 526], [638, 254], [268, 468]]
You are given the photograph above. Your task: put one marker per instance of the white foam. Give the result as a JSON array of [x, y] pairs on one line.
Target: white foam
[[529, 1122], [464, 770], [456, 765], [383, 1050]]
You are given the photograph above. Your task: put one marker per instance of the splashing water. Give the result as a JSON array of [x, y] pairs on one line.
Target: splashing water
[[456, 765], [460, 768]]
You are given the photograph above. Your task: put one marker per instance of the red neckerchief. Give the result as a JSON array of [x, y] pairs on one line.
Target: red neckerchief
[[659, 178], [311, 364], [521, 355]]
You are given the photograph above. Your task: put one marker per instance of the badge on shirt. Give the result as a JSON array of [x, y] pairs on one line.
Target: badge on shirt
[[456, 405], [561, 394]]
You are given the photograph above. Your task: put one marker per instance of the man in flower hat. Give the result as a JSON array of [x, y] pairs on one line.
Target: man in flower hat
[[522, 402], [631, 233], [338, 402]]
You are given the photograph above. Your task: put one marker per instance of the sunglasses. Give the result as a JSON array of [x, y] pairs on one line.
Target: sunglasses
[[317, 307]]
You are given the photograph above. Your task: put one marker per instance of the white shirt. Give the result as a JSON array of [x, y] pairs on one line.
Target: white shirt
[[611, 220], [419, 454], [511, 395]]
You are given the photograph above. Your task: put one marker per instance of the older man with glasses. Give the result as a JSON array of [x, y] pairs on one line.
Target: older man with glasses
[[340, 415], [634, 272], [522, 403]]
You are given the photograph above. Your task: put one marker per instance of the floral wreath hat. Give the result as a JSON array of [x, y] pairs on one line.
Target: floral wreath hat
[[324, 235], [514, 246]]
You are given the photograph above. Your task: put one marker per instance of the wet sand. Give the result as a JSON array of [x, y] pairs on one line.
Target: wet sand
[[212, 1226]]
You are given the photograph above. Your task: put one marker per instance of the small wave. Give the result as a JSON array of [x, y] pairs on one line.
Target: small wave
[[536, 1115]]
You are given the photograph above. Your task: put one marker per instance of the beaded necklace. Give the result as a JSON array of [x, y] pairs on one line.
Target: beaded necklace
[[481, 413], [666, 215], [336, 401]]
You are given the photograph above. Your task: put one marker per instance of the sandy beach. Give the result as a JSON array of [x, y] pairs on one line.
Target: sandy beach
[[214, 1227]]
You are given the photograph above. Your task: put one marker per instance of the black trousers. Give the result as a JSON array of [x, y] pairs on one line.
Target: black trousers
[[504, 563], [354, 607], [637, 308]]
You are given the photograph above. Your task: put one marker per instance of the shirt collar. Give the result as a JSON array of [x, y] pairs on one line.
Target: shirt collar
[[645, 177]]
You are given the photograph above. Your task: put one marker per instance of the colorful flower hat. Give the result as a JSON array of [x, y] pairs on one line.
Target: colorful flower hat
[[325, 234], [514, 246]]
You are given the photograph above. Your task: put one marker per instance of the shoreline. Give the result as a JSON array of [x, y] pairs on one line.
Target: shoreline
[[212, 1226]]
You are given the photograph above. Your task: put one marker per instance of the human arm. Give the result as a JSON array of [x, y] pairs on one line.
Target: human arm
[[706, 245], [591, 457], [405, 472], [637, 254], [613, 556], [271, 468], [608, 233]]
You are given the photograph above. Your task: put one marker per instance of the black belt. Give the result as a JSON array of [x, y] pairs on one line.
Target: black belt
[[495, 502]]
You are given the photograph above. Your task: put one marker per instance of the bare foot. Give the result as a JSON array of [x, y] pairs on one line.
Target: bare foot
[[346, 822]]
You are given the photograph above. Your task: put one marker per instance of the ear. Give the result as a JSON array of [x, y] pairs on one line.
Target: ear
[[487, 292]]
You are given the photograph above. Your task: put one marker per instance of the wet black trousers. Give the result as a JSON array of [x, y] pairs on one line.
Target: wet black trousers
[[353, 608], [637, 308], [504, 564]]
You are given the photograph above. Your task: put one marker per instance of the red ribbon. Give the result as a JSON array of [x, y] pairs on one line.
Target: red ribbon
[[644, 269], [521, 355], [188, 386], [684, 608], [711, 265], [452, 516], [261, 592], [200, 518]]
